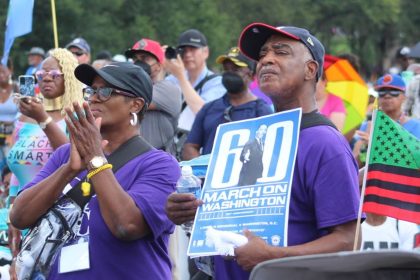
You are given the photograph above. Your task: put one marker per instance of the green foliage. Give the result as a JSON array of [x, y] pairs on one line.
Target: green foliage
[[371, 29]]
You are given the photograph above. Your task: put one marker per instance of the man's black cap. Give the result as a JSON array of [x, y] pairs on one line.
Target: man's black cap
[[254, 36], [192, 38], [124, 76]]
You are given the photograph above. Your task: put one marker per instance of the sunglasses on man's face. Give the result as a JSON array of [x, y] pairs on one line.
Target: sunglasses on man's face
[[104, 93], [393, 93], [41, 74], [79, 53]]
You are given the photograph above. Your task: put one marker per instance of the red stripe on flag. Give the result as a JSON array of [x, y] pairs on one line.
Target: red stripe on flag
[[406, 197], [391, 211], [394, 178]]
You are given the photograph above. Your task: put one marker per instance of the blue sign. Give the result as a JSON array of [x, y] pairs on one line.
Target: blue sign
[[248, 184]]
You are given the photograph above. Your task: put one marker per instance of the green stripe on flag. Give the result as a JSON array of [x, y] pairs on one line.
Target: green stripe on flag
[[393, 145]]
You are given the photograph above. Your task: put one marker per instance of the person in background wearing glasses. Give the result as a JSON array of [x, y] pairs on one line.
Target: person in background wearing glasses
[[391, 95], [80, 49], [238, 103], [381, 232], [125, 223], [41, 128], [161, 119]]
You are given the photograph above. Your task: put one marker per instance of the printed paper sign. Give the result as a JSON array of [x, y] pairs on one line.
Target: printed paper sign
[[248, 184]]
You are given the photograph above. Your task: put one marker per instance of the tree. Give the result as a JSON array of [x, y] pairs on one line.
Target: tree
[[370, 29]]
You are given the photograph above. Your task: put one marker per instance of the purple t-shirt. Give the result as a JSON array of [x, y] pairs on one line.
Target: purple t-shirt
[[148, 179], [325, 191]]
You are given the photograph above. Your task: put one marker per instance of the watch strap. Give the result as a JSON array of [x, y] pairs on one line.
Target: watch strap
[[43, 125]]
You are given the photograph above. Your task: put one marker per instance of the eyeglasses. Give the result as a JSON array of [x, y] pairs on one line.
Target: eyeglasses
[[80, 53], [104, 94], [393, 93], [41, 74], [226, 114]]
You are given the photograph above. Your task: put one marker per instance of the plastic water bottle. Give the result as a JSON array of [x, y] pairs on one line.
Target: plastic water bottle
[[188, 183]]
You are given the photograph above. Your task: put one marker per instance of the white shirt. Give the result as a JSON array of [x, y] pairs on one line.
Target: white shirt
[[387, 236]]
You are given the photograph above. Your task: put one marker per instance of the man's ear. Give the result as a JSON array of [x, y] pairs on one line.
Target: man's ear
[[206, 52], [311, 69]]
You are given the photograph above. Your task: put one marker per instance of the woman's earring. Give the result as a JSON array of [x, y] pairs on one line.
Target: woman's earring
[[134, 120]]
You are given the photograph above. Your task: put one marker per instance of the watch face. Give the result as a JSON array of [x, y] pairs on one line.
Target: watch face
[[97, 162]]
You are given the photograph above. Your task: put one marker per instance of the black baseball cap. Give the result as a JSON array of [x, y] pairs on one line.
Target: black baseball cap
[[192, 38], [124, 76], [254, 36]]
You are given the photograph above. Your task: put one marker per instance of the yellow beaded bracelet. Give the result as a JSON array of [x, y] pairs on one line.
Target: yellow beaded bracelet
[[97, 170]]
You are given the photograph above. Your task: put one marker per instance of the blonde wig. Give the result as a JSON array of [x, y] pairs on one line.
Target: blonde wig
[[72, 86]]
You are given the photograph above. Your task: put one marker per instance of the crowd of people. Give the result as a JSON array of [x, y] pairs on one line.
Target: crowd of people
[[167, 103]]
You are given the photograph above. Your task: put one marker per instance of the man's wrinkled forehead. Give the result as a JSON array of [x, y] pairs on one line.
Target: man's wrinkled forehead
[[281, 41]]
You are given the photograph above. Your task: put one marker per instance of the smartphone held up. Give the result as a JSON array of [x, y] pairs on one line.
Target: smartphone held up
[[27, 85]]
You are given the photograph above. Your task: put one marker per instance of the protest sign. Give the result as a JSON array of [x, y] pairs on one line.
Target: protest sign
[[248, 184]]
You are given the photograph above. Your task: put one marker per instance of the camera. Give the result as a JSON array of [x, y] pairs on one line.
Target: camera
[[171, 52]]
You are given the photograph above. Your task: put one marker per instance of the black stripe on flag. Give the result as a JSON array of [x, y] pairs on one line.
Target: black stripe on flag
[[393, 186], [394, 169], [393, 202]]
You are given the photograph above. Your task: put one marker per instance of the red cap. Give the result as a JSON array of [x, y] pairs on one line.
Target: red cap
[[149, 46]]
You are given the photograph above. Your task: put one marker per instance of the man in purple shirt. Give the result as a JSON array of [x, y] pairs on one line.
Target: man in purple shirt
[[325, 197]]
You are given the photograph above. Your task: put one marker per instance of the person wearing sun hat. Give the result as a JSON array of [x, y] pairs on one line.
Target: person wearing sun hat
[[325, 196]]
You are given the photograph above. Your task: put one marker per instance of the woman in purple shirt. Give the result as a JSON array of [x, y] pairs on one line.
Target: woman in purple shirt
[[124, 224]]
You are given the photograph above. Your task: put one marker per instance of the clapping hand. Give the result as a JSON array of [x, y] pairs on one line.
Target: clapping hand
[[85, 137]]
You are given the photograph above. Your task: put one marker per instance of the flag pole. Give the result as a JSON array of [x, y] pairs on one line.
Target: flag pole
[[362, 192], [54, 22]]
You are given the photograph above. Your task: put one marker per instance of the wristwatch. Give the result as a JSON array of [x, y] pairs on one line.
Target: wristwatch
[[96, 162], [44, 124]]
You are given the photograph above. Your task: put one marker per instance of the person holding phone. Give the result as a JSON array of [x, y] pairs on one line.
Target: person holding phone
[[41, 128]]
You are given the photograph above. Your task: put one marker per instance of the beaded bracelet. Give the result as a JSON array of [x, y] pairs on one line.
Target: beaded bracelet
[[97, 170]]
